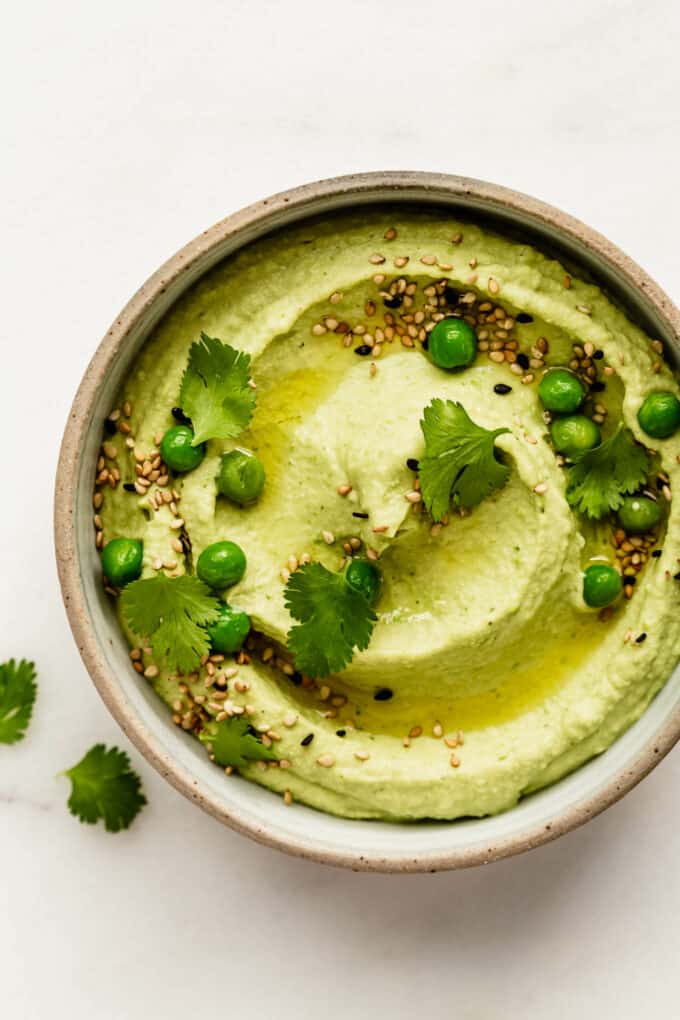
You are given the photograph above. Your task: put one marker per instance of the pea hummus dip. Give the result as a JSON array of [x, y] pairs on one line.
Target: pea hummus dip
[[385, 504]]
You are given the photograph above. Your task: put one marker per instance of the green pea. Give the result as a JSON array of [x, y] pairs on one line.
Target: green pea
[[602, 585], [229, 631], [241, 476], [574, 435], [178, 451], [638, 514], [659, 415], [122, 560], [453, 344], [561, 391], [364, 577], [221, 564]]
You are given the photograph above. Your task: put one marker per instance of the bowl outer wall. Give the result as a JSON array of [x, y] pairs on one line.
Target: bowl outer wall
[[246, 807]]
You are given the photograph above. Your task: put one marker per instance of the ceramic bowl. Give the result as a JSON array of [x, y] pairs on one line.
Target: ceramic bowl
[[244, 806]]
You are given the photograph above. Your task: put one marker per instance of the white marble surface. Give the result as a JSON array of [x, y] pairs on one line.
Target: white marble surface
[[127, 128]]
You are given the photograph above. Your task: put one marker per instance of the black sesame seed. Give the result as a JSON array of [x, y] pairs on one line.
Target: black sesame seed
[[341, 733], [597, 386], [412, 464], [383, 694], [676, 577], [522, 360], [502, 388], [179, 415], [306, 741], [451, 295], [110, 427], [640, 638], [362, 350], [395, 301], [524, 317], [426, 344], [628, 579], [598, 355], [129, 486], [656, 553], [360, 514], [296, 678]]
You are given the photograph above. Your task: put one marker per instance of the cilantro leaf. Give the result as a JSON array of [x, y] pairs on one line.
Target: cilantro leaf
[[104, 786], [215, 393], [233, 743], [172, 612], [334, 619], [600, 479], [17, 696], [459, 460]]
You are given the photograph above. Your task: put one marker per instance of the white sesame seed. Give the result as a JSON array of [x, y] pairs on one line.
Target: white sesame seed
[[326, 761], [362, 755], [328, 537], [376, 259], [540, 489], [413, 496]]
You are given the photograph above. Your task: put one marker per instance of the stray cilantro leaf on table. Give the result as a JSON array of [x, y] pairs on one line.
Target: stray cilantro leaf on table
[[334, 620], [459, 462], [18, 690], [234, 744], [103, 786], [172, 612], [598, 481], [215, 393]]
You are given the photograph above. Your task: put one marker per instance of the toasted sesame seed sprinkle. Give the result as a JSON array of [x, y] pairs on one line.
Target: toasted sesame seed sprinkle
[[376, 259], [344, 489], [151, 671]]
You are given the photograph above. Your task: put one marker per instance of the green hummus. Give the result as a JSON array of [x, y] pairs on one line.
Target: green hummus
[[502, 680]]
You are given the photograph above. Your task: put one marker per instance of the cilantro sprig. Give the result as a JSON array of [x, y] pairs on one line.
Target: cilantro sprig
[[18, 691], [215, 393], [460, 461], [600, 479], [333, 620], [172, 612], [103, 786], [234, 743]]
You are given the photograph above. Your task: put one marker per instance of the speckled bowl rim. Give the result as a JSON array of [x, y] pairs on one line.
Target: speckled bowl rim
[[309, 200]]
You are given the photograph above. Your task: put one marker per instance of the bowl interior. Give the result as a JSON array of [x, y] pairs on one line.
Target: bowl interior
[[253, 809]]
